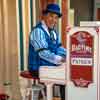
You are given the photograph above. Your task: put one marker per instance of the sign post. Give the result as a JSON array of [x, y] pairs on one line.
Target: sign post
[[82, 64]]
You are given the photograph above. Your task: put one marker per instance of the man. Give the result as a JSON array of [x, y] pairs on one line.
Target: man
[[44, 46]]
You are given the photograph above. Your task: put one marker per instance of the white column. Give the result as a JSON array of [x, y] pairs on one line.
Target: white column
[[34, 12], [49, 87]]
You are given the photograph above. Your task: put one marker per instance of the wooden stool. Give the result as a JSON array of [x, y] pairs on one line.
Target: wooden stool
[[36, 87], [4, 96]]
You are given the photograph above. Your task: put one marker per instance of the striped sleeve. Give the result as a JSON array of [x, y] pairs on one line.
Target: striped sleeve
[[38, 40], [61, 51]]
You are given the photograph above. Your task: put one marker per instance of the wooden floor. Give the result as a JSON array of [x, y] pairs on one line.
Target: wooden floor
[[56, 98], [24, 83]]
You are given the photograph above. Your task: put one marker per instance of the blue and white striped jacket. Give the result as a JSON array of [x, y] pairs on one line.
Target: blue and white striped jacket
[[42, 49]]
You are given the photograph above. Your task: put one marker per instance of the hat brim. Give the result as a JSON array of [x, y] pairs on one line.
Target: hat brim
[[52, 11]]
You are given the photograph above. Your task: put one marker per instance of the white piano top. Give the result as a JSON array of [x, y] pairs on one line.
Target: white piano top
[[54, 74]]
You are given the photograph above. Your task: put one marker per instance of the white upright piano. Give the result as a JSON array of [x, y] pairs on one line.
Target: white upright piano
[[51, 75], [81, 72]]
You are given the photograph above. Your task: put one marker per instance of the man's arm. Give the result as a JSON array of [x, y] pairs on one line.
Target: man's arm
[[61, 51]]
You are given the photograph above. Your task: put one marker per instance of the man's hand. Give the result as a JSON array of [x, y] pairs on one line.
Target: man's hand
[[68, 28], [60, 59], [63, 60]]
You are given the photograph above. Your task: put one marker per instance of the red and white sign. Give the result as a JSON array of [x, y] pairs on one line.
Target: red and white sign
[[82, 64], [81, 57]]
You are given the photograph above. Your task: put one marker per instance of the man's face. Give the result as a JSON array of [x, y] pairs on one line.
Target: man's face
[[51, 20]]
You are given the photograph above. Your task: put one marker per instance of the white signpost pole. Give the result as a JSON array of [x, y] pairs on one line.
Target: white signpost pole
[[82, 64]]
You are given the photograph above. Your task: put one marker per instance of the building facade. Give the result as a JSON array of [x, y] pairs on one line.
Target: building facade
[[17, 17]]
